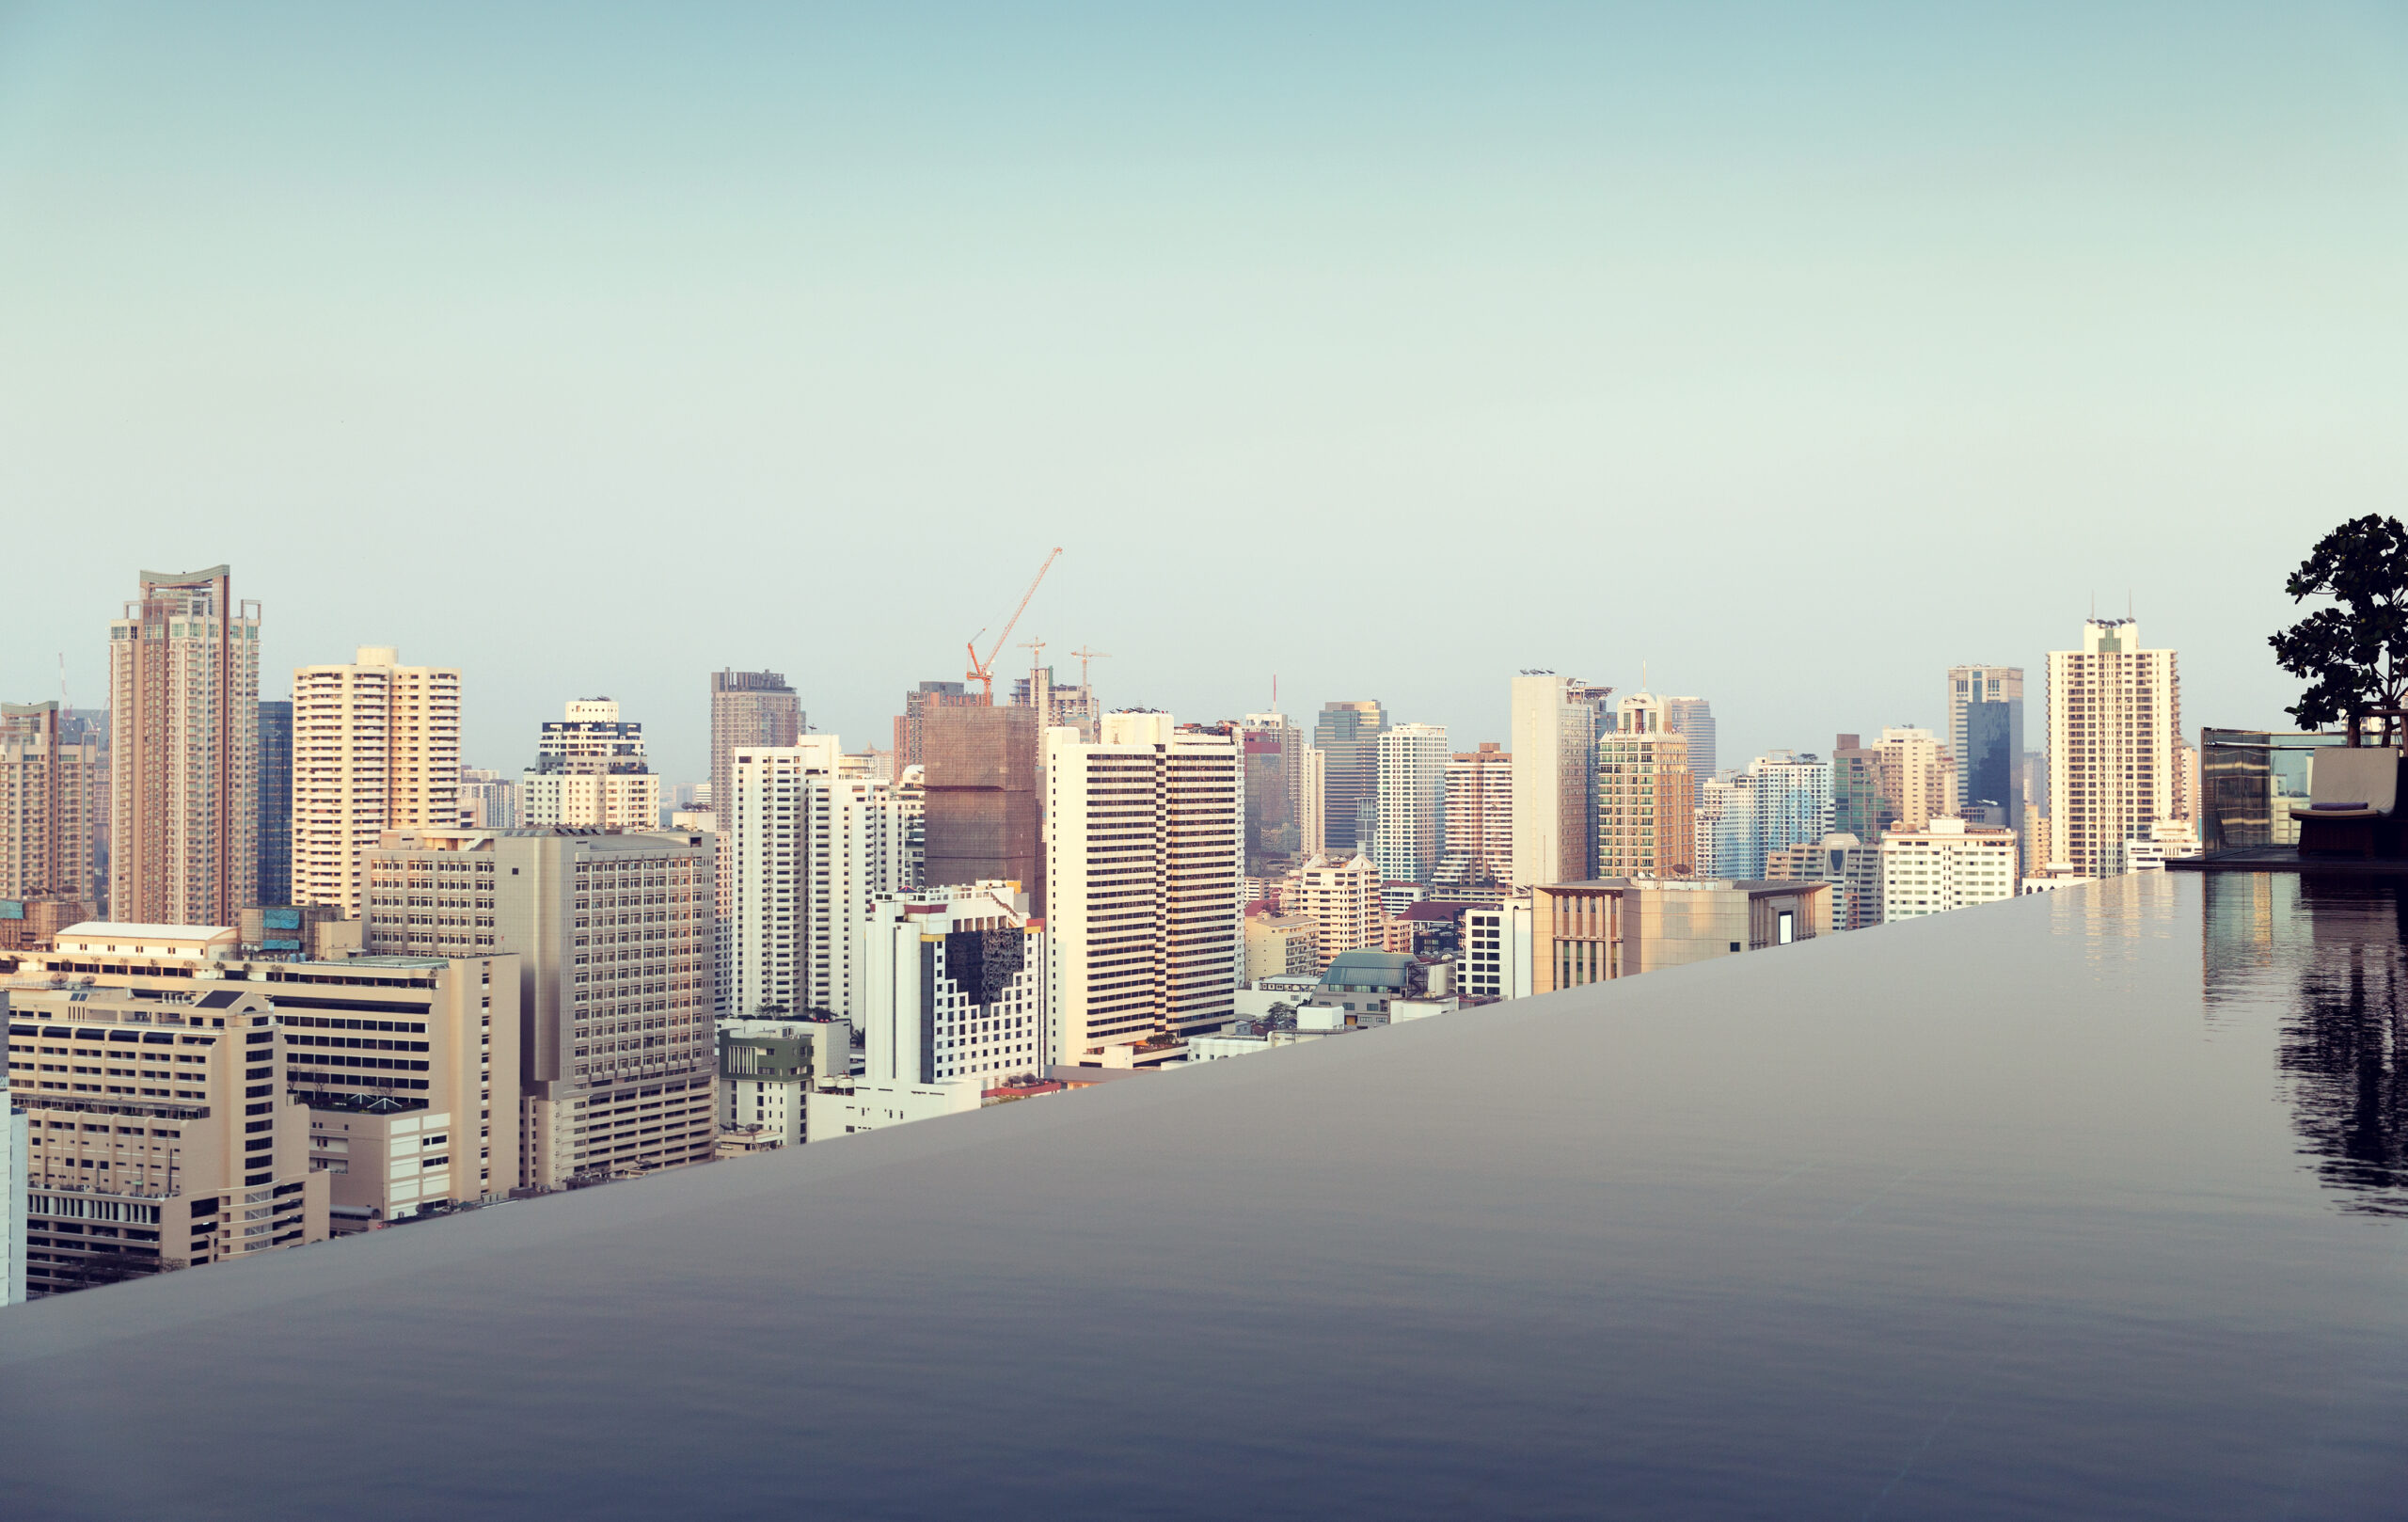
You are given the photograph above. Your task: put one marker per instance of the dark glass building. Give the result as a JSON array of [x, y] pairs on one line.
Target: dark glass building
[[276, 803], [1349, 734]]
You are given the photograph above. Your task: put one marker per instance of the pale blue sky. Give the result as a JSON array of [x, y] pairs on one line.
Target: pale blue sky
[[1797, 351]]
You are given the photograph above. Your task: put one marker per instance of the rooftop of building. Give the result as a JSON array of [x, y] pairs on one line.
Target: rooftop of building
[[2115, 1228], [1754, 887]]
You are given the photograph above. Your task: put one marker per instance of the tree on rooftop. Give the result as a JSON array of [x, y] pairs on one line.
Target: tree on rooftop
[[2354, 655]]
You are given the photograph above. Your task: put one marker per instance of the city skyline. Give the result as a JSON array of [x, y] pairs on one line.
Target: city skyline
[[1623, 289]]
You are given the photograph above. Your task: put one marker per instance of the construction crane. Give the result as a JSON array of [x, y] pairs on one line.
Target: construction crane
[[983, 672], [1086, 656]]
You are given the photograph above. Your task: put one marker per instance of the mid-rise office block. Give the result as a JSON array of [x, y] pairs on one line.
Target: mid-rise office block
[[1145, 845], [590, 773], [768, 1068], [979, 782], [1341, 896], [1985, 734], [1646, 801], [1851, 867], [1275, 793], [612, 933], [1587, 932], [1557, 723], [954, 986], [909, 726], [1348, 736], [1948, 864], [377, 747], [51, 788], [162, 1131], [1496, 959], [2115, 719], [274, 808], [1412, 799], [1918, 778], [183, 752]]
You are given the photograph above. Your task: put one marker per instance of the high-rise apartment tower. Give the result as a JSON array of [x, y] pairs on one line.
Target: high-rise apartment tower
[[377, 747], [2114, 713], [1412, 840]]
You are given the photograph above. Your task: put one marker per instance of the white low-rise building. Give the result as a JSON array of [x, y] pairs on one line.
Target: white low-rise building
[[870, 1106], [768, 1069], [1947, 865]]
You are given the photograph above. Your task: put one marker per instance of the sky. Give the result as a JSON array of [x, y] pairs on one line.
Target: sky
[[1796, 351]]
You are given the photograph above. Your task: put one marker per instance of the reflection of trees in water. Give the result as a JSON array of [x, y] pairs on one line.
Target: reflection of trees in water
[[2345, 1047]]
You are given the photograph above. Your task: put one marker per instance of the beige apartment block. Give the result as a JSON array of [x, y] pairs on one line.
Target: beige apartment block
[[1918, 777], [1588, 932], [2115, 723], [589, 772], [1646, 797], [183, 751], [376, 747], [1341, 898], [1145, 845], [1479, 817], [1557, 723], [1277, 943], [51, 789], [163, 1134], [613, 933]]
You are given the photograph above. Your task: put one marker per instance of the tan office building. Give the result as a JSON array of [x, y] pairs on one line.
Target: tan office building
[[1341, 898], [376, 747], [614, 936], [183, 752], [1588, 932], [1282, 944], [1646, 797], [162, 1136], [1918, 778], [2114, 721]]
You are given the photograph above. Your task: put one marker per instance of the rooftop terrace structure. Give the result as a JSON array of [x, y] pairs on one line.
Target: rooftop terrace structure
[[2119, 1227]]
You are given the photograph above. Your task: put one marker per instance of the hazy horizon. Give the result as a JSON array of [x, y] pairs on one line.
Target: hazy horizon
[[1795, 354]]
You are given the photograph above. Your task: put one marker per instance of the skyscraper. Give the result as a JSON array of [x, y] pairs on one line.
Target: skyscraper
[[590, 771], [765, 819], [1556, 722], [1275, 792], [1918, 778], [377, 747], [1412, 803], [1145, 844], [1479, 819], [982, 802], [49, 791], [917, 705], [1348, 736], [1646, 801], [2114, 713], [750, 708], [275, 806], [1986, 730], [183, 705], [1692, 719]]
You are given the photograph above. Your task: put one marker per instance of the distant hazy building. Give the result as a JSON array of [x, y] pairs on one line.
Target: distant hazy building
[[1725, 832], [1348, 736], [954, 985], [917, 704], [589, 772], [184, 717], [1312, 803], [1557, 723], [1412, 840], [1646, 802], [983, 807], [1145, 841], [749, 708], [1692, 719], [377, 747], [274, 809], [1058, 706], [614, 937], [51, 788], [2115, 716], [1479, 819], [1918, 778], [1275, 792], [487, 801], [1588, 932], [1851, 867], [1860, 807], [1949, 865]]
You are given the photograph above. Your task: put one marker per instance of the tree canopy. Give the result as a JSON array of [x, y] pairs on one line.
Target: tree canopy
[[2353, 654]]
